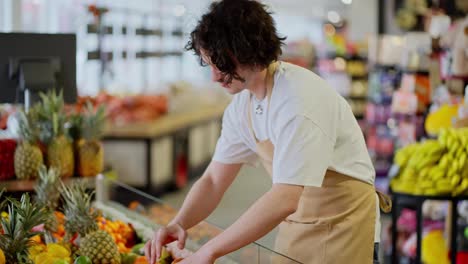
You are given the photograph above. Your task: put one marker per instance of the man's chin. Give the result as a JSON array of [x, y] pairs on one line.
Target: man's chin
[[233, 91]]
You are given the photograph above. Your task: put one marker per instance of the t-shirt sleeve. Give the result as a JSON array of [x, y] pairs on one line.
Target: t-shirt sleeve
[[303, 153], [231, 147]]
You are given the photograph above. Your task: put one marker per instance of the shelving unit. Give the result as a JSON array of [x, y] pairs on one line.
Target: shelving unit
[[352, 73], [119, 41], [15, 187], [415, 202]]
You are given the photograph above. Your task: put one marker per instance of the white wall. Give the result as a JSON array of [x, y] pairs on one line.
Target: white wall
[[363, 18], [10, 15]]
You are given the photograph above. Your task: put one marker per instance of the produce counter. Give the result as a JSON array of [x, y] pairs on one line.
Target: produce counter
[[146, 213], [28, 185], [164, 153], [166, 124]]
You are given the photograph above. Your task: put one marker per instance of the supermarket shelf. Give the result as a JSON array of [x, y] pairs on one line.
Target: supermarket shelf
[[28, 185], [357, 98], [410, 71], [455, 77], [333, 55], [383, 67], [431, 197], [359, 77], [166, 124], [399, 69], [403, 200]]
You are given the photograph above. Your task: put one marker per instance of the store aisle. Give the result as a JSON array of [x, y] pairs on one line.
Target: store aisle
[[246, 189]]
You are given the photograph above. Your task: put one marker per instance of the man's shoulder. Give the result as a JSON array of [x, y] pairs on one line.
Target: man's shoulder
[[237, 105]]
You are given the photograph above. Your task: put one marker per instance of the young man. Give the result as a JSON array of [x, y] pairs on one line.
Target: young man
[[300, 129]]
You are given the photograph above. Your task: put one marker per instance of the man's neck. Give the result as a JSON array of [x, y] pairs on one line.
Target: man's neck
[[257, 84]]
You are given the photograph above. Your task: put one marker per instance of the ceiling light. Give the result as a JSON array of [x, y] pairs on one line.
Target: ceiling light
[[179, 10], [333, 17], [347, 2]]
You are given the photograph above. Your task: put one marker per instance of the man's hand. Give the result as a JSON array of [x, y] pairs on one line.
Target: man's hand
[[202, 256], [163, 236]]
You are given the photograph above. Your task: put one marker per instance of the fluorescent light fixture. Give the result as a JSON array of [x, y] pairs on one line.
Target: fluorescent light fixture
[[333, 17], [347, 2]]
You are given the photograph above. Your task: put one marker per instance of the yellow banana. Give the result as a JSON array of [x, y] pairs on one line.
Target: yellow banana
[[455, 180], [462, 161]]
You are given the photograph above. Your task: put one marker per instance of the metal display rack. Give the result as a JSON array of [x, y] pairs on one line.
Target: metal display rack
[[415, 202], [102, 31]]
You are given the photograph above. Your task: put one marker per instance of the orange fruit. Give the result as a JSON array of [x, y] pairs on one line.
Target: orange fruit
[[141, 260], [36, 239]]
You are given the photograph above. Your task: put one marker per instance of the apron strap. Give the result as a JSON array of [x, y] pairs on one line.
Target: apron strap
[[385, 202], [250, 120], [270, 73]]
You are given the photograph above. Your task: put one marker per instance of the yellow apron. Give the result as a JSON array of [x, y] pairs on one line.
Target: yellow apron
[[334, 223]]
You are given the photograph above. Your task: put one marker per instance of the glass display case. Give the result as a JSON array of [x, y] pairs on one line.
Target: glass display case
[[146, 213]]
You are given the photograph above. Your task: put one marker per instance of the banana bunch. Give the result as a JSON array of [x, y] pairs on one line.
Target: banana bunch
[[434, 167]]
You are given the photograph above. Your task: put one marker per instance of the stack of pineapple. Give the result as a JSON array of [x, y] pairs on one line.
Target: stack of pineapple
[[45, 139], [27, 223], [18, 241]]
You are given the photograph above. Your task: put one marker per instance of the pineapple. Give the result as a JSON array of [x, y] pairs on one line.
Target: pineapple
[[2, 201], [28, 155], [96, 244], [47, 196], [17, 238], [89, 150], [52, 120]]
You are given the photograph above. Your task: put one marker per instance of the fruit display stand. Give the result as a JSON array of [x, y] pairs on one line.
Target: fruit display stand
[[20, 186], [155, 156], [122, 202], [415, 202], [431, 170]]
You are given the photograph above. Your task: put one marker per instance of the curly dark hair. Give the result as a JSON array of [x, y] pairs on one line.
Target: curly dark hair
[[241, 30]]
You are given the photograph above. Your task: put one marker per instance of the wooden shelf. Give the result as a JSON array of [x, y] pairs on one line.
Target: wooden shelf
[[167, 124], [357, 97], [28, 185]]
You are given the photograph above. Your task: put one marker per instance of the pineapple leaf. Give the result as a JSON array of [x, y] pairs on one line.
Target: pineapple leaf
[[47, 196], [28, 130], [80, 218], [17, 229], [76, 123], [51, 115], [93, 122], [3, 201]]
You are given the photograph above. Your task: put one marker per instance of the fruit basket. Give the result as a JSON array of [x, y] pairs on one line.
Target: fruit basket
[[66, 223]]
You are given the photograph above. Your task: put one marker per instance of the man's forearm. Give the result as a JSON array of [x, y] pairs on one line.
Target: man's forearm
[[199, 203], [262, 217]]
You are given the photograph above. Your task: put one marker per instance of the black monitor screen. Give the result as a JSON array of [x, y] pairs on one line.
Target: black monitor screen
[[59, 48]]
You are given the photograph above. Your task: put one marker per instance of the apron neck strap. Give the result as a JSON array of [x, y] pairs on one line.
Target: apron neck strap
[[269, 86]]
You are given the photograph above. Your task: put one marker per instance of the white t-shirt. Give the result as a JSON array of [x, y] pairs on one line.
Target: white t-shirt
[[311, 126]]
